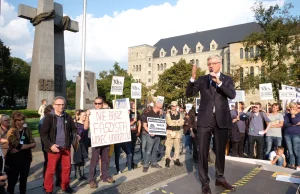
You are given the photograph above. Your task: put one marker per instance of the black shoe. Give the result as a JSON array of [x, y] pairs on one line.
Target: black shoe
[[206, 189], [167, 163], [177, 163], [134, 165], [69, 190], [145, 169], [156, 166]]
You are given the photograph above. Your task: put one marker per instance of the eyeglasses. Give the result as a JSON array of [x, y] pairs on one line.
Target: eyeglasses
[[59, 104], [98, 103], [19, 120], [213, 64], [7, 120]]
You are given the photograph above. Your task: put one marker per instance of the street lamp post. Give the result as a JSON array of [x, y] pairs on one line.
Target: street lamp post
[[83, 56]]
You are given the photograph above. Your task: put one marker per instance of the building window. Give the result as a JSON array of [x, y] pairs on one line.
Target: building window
[[137, 55], [149, 80], [241, 75], [251, 52], [197, 62], [257, 51], [213, 47], [161, 54], [185, 50], [199, 48], [149, 59], [133, 69], [246, 53], [149, 65], [161, 67], [173, 52], [157, 67], [165, 66], [139, 80], [252, 71], [262, 72], [137, 68], [228, 63], [149, 72], [140, 68], [241, 53]]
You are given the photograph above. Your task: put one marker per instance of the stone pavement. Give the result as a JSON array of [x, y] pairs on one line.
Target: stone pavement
[[126, 182]]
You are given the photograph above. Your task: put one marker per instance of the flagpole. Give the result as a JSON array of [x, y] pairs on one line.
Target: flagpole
[[83, 56]]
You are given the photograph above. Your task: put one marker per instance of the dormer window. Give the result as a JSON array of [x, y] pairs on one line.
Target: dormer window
[[173, 52], [161, 54], [213, 47], [185, 50], [199, 48]]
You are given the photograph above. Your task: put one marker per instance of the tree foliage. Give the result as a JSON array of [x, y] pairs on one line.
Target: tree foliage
[[173, 81], [14, 77], [71, 94], [104, 84], [278, 44]]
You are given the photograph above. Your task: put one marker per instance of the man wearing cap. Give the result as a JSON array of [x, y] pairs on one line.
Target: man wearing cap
[[174, 123]]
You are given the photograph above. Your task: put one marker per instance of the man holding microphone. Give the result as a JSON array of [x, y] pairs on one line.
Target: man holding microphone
[[213, 118]]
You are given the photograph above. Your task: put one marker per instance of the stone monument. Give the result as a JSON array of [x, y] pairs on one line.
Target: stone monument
[[90, 90], [48, 71]]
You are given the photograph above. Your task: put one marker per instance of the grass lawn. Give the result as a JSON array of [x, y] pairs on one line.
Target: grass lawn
[[33, 126]]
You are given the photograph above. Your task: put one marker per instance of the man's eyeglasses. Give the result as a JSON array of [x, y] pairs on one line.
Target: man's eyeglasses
[[59, 104], [98, 103], [213, 64]]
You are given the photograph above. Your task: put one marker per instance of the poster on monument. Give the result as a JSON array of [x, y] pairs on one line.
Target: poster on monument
[[160, 99], [157, 126], [122, 104], [240, 96], [109, 126], [136, 90], [117, 85], [266, 91]]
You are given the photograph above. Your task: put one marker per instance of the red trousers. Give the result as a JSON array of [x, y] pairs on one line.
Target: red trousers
[[65, 156]]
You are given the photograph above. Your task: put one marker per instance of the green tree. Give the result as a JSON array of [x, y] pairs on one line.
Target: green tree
[[104, 84], [5, 64], [276, 42], [173, 81], [71, 94]]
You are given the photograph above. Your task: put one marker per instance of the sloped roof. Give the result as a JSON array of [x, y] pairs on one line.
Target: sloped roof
[[222, 36]]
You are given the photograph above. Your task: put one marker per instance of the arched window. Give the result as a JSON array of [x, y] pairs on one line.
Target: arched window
[[256, 71], [161, 67], [157, 67], [241, 75], [140, 68], [137, 68], [252, 71], [133, 69], [262, 73], [241, 53], [165, 66]]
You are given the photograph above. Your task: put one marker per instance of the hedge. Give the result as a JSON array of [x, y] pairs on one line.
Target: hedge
[[31, 113]]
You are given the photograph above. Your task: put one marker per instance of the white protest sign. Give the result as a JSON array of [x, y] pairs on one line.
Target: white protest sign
[[136, 90], [157, 126], [188, 107], [160, 99], [197, 104], [122, 104], [287, 94], [266, 91], [117, 85], [109, 126], [240, 96]]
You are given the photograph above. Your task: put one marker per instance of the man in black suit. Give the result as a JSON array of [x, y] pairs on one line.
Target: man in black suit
[[213, 118]]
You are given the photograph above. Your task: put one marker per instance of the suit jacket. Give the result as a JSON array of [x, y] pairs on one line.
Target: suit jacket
[[207, 101]]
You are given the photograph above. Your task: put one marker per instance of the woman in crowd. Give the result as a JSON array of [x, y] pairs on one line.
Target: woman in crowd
[[292, 135], [4, 127], [19, 158], [42, 108], [80, 154]]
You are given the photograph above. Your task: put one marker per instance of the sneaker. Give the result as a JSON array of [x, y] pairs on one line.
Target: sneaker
[[145, 169], [155, 166], [69, 190]]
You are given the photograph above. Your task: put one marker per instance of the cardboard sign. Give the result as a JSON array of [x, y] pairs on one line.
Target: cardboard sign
[[117, 85], [197, 104], [109, 126], [188, 107], [266, 91], [160, 99], [157, 126], [136, 90], [287, 94], [122, 104], [240, 96]]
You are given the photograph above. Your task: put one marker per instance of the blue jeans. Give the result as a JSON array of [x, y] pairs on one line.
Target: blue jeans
[[187, 141], [151, 150], [293, 146], [280, 161], [126, 147], [269, 144], [144, 144]]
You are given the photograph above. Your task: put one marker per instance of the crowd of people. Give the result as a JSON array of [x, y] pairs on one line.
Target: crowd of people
[[272, 135]]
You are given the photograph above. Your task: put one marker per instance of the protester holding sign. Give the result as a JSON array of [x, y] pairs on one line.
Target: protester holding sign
[[152, 140], [98, 152], [135, 126]]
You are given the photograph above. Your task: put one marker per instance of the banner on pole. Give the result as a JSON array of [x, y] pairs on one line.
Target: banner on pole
[[122, 104], [240, 96], [266, 91], [136, 90], [117, 85], [109, 126], [157, 126], [287, 94]]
